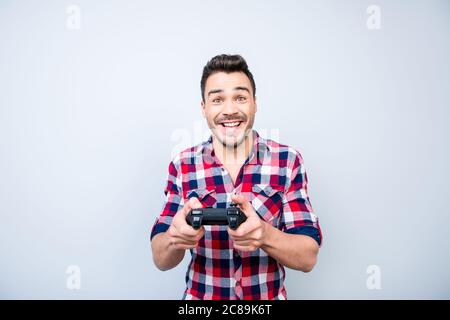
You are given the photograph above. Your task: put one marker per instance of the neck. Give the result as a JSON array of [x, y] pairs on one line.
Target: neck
[[234, 155]]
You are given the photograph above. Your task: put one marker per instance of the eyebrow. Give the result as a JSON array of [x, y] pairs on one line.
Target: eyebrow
[[220, 90], [214, 91], [242, 88]]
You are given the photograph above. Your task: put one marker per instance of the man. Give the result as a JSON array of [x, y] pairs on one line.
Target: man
[[265, 179]]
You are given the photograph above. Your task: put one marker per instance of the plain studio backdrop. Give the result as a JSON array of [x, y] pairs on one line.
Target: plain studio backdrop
[[96, 96]]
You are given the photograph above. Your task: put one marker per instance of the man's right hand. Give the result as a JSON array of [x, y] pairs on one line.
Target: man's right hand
[[180, 234]]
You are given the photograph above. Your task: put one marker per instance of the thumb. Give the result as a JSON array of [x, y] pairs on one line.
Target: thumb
[[243, 203], [195, 203], [192, 203]]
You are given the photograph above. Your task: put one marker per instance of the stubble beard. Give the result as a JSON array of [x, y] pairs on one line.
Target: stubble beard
[[227, 141]]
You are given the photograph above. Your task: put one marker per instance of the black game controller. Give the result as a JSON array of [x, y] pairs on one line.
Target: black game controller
[[232, 216]]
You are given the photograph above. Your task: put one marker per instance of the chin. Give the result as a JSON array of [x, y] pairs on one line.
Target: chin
[[231, 141]]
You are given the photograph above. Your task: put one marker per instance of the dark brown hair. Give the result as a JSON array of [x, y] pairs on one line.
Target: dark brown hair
[[226, 63]]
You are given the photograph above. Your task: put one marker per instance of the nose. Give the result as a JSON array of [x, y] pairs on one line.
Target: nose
[[229, 107]]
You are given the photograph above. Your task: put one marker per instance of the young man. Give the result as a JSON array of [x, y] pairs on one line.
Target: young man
[[265, 179]]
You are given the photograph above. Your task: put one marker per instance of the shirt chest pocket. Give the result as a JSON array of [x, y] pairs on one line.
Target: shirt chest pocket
[[267, 202], [207, 196]]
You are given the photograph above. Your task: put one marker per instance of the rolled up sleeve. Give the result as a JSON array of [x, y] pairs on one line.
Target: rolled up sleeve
[[298, 215], [173, 202]]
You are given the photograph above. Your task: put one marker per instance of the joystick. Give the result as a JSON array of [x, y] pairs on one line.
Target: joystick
[[232, 216]]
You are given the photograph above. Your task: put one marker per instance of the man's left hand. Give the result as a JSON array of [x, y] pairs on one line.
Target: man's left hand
[[251, 234]]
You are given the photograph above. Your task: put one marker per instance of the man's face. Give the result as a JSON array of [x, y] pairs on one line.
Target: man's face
[[229, 107]]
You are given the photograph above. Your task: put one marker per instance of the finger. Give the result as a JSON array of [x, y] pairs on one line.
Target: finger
[[188, 239], [243, 203], [192, 203], [195, 203], [235, 234], [176, 241], [182, 230], [244, 248], [243, 243], [184, 246], [244, 230], [187, 207], [199, 234], [187, 231], [178, 238]]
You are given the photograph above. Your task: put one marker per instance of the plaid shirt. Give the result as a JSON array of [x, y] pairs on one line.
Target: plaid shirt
[[274, 180]]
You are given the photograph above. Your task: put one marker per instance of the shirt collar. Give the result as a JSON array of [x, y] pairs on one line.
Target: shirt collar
[[259, 151]]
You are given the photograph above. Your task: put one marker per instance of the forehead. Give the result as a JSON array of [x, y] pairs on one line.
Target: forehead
[[227, 81]]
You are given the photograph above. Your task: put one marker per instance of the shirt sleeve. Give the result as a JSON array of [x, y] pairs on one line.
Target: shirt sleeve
[[298, 215], [172, 204]]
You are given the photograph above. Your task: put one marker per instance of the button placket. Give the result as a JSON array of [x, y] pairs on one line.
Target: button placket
[[238, 287], [237, 274]]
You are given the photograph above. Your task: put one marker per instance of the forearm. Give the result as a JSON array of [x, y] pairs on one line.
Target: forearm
[[294, 251], [164, 255]]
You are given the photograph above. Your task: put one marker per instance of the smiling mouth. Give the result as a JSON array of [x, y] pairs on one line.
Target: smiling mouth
[[230, 124]]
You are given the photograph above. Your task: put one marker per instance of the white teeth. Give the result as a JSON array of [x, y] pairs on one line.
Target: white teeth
[[231, 124]]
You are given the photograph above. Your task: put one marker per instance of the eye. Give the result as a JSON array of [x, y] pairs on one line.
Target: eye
[[216, 100], [241, 99]]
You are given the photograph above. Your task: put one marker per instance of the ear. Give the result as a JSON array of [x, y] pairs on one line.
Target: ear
[[202, 105]]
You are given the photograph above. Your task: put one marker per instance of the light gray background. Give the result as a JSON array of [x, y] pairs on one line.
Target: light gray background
[[89, 119]]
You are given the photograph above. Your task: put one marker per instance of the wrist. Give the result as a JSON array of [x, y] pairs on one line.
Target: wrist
[[268, 232], [169, 244]]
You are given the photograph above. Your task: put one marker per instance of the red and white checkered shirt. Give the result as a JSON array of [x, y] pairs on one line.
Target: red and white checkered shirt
[[274, 180]]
